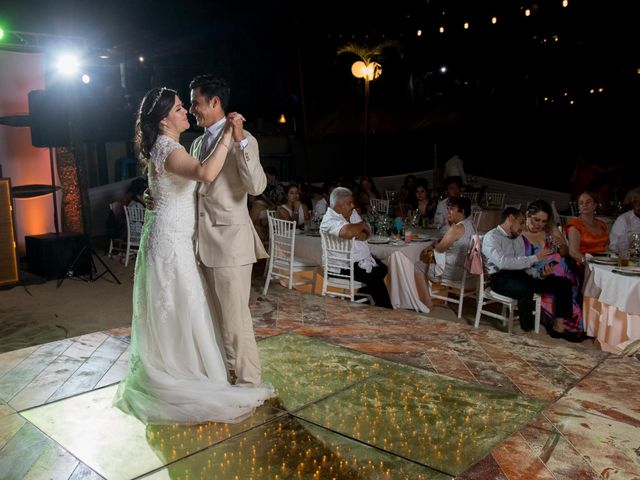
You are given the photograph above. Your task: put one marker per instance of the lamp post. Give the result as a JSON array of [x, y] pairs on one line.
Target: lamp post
[[368, 71]]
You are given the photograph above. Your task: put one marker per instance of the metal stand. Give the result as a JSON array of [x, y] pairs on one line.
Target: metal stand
[[92, 269]]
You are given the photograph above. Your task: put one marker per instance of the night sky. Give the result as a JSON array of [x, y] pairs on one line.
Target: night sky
[[512, 90]]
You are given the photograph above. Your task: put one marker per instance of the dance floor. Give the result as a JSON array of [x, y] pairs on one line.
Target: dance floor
[[363, 393]]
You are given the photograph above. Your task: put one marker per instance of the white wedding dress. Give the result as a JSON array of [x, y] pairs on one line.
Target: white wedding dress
[[176, 370]]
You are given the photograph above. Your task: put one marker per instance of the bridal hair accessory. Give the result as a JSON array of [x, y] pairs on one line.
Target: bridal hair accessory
[[155, 100]]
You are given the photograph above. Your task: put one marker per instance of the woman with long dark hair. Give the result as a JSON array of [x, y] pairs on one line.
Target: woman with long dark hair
[[540, 232], [176, 369]]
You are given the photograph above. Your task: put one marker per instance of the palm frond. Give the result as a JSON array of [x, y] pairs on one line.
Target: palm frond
[[367, 53]]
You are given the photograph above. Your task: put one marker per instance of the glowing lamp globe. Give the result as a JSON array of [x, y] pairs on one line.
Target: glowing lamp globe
[[359, 69]]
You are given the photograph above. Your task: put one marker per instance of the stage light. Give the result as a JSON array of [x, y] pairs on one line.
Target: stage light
[[494, 20], [527, 12], [466, 25], [86, 78], [443, 69], [282, 118], [419, 33], [67, 64], [141, 59], [1, 33], [441, 29]]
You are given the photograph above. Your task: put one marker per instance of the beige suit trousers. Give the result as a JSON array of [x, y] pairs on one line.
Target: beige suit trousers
[[230, 290]]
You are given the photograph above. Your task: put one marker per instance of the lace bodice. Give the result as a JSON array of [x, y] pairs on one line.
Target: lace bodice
[[174, 209]]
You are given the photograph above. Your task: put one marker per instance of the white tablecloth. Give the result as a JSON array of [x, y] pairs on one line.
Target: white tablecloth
[[398, 258], [620, 291], [611, 307]]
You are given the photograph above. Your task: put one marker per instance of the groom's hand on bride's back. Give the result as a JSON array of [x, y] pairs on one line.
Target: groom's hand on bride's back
[[149, 202]]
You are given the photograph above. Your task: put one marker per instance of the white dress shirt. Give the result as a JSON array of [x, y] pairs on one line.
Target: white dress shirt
[[441, 217], [214, 131], [332, 223], [320, 208], [624, 225], [502, 252]]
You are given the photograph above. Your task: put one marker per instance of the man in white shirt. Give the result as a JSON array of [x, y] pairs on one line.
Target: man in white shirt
[[452, 189], [511, 273], [626, 224], [320, 208], [342, 220]]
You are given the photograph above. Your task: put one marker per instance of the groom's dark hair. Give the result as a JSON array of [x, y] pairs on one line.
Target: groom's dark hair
[[211, 86]]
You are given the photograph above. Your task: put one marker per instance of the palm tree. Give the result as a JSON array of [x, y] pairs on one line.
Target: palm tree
[[368, 69]]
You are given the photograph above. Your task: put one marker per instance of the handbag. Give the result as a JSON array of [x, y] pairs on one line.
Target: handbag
[[473, 262]]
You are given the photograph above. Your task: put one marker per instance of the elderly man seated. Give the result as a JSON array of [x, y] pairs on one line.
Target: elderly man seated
[[342, 220], [512, 273], [626, 224]]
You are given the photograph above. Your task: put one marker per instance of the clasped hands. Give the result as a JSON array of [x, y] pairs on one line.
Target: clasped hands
[[235, 121]]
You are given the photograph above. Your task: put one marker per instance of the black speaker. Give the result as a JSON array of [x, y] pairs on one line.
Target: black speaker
[[49, 119], [50, 255]]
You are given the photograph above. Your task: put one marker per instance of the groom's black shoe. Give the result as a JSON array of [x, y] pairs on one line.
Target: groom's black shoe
[[232, 377]]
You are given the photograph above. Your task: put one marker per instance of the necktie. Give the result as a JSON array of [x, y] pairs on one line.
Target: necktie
[[204, 146]]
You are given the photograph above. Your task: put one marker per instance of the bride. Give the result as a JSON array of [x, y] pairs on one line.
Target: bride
[[176, 369]]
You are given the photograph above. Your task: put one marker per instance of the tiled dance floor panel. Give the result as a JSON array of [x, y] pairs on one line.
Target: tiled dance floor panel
[[339, 414]]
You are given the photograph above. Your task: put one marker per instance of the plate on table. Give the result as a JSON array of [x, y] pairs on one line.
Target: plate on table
[[604, 260], [397, 243], [376, 239], [631, 271], [420, 237]]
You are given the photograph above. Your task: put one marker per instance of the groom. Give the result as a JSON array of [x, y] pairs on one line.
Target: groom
[[228, 244]]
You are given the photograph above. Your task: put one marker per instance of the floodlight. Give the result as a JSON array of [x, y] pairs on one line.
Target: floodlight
[[67, 64], [86, 78]]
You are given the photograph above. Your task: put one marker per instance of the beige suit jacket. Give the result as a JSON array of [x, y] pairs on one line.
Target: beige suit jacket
[[226, 235]]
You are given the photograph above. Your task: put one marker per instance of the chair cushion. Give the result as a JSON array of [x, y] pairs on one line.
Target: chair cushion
[[303, 262], [488, 293], [344, 283]]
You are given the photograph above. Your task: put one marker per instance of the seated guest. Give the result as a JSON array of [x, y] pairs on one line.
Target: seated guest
[[452, 189], [626, 224], [455, 242], [366, 191], [135, 193], [274, 190], [587, 234], [293, 210], [540, 233], [407, 191], [511, 274], [258, 207], [342, 220], [421, 200], [322, 204]]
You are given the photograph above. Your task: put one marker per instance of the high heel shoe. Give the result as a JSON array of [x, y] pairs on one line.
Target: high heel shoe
[[569, 337]]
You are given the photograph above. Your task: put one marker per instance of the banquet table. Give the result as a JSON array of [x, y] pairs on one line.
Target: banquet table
[[611, 306], [398, 257]]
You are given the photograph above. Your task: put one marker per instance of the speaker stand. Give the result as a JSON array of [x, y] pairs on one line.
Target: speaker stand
[[92, 268]]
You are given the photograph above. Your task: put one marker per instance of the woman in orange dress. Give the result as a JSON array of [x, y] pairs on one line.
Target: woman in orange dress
[[587, 234]]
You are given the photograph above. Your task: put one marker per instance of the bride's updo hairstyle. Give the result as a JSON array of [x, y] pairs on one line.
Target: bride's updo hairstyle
[[156, 105]]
